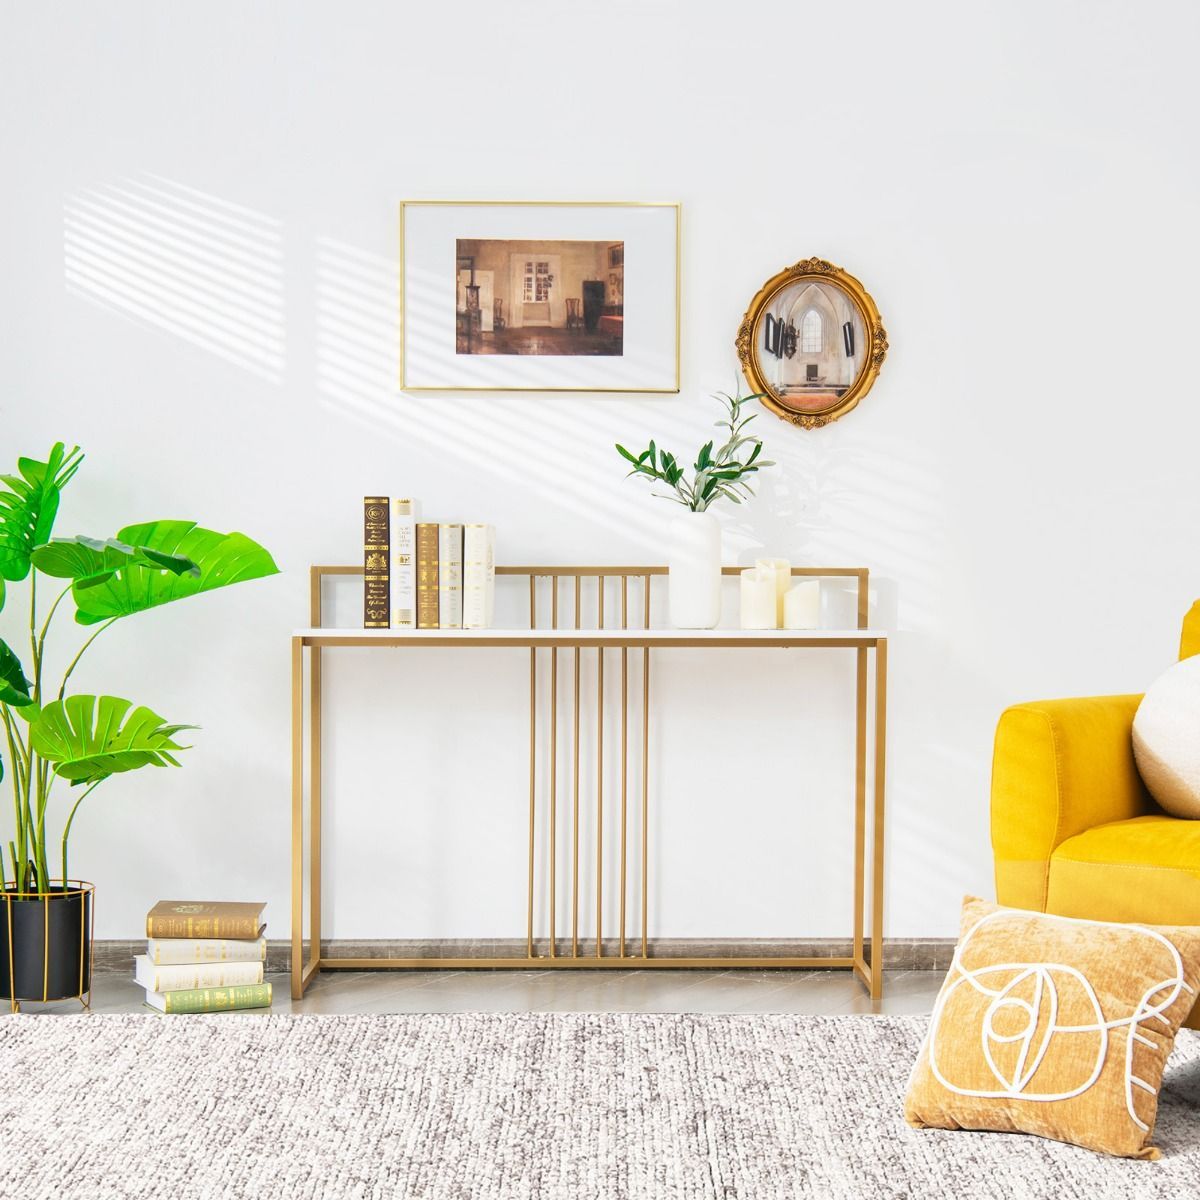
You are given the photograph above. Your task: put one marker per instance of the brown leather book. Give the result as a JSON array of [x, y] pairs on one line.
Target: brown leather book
[[377, 545], [205, 919], [427, 575]]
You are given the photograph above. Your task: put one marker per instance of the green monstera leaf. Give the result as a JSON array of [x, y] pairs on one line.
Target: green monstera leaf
[[88, 738], [91, 562], [29, 504], [14, 687], [222, 559]]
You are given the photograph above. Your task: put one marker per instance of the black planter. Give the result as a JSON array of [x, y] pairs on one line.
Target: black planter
[[46, 943]]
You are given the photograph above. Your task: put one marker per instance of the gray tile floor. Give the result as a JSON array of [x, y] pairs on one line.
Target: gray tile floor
[[567, 991]]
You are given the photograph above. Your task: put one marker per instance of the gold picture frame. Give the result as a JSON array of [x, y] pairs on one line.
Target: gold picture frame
[[667, 385], [811, 317]]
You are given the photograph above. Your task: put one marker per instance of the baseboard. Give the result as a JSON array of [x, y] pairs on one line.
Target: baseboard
[[902, 954]]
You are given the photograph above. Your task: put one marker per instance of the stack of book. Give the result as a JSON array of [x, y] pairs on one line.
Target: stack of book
[[425, 574], [203, 957]]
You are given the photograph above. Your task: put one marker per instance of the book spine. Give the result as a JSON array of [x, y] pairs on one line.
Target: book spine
[[376, 550], [238, 928], [222, 999], [404, 565], [450, 576], [167, 951], [201, 975], [427, 576], [479, 576]]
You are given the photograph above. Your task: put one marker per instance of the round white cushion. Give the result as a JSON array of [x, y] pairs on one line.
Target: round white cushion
[[1166, 739]]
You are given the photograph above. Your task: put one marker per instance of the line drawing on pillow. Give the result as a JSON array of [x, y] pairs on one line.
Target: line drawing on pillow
[[1045, 980]]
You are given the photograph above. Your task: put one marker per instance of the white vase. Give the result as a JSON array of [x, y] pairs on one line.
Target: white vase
[[694, 571]]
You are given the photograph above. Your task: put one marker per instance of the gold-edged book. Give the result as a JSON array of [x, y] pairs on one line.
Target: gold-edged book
[[205, 919]]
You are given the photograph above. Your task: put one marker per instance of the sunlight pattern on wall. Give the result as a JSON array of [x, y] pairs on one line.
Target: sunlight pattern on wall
[[184, 262], [358, 372]]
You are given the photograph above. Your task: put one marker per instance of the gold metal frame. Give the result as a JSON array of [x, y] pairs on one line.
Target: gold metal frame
[[87, 925], [875, 351], [550, 204], [567, 949]]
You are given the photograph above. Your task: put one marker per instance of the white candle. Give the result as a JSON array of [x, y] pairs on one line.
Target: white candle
[[802, 606], [780, 571], [758, 599]]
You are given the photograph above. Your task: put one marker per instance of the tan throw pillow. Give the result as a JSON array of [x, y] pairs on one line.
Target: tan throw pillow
[[1055, 1026]]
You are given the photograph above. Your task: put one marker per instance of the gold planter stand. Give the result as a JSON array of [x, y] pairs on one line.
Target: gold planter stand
[[553, 635], [86, 894]]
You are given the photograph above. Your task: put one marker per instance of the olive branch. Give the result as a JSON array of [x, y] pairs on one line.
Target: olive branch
[[717, 474]]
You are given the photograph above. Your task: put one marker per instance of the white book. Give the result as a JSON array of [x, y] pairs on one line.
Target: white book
[[479, 576], [179, 976], [450, 576], [404, 564], [163, 951]]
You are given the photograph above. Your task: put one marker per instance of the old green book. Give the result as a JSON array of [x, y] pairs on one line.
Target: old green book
[[213, 999]]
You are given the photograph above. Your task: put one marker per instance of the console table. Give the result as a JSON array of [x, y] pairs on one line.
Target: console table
[[556, 627]]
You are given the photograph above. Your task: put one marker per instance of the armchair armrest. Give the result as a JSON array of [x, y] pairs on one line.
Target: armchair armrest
[[1060, 767]]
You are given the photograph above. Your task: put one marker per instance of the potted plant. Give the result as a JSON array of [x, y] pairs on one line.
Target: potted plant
[[55, 740], [694, 561]]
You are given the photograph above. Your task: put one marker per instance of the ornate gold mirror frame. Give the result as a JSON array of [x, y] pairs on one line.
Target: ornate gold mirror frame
[[811, 400]]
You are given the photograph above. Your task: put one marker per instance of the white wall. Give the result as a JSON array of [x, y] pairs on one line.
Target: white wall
[[1021, 482]]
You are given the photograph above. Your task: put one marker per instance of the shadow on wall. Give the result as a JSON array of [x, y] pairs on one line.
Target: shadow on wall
[[211, 272], [530, 442], [183, 262]]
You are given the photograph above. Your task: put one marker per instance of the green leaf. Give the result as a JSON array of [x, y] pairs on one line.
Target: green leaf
[[89, 738], [29, 505], [626, 454], [14, 687], [90, 562], [222, 559], [3, 592]]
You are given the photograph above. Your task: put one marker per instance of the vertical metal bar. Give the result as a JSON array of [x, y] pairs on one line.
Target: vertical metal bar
[[575, 803], [46, 946], [532, 761], [297, 815], [860, 773], [645, 771], [83, 907], [600, 774], [624, 750], [14, 1003], [860, 797], [315, 738], [91, 943], [553, 766], [878, 836]]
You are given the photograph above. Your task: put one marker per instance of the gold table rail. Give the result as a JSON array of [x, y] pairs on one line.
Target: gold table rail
[[565, 950]]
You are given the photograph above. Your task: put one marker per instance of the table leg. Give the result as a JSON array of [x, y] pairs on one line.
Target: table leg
[[315, 738], [860, 799], [297, 965], [877, 839]]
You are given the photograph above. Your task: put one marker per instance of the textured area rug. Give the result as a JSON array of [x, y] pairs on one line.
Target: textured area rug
[[511, 1106]]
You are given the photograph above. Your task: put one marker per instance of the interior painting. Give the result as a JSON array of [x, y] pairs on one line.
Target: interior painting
[[811, 344], [539, 297]]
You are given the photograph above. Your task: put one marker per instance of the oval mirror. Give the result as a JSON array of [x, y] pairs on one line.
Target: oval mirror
[[811, 343]]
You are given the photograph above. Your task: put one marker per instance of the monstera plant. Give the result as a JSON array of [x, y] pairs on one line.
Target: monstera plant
[[59, 742]]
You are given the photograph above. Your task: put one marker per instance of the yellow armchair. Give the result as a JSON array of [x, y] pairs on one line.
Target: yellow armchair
[[1074, 831]]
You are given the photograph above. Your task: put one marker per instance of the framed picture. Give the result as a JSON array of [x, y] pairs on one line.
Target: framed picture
[[541, 297]]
